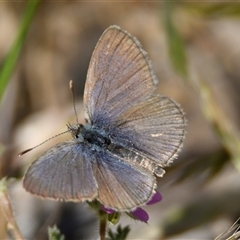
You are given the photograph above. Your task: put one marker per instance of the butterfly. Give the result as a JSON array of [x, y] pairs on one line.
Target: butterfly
[[130, 134]]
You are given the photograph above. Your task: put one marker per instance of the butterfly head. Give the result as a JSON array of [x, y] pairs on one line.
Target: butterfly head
[[76, 130]]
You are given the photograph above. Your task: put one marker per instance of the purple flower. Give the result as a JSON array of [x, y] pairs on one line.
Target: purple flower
[[157, 197], [139, 213], [108, 210]]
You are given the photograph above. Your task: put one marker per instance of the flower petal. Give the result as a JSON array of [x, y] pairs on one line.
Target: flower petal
[[157, 197], [140, 214], [107, 210]]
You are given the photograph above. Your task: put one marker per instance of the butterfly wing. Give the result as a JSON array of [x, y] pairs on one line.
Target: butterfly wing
[[154, 128], [122, 185], [119, 76], [62, 173]]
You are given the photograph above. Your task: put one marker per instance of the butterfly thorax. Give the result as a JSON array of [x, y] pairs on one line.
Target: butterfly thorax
[[97, 139]]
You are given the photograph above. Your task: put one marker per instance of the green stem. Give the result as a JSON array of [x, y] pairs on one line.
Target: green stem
[[103, 218]]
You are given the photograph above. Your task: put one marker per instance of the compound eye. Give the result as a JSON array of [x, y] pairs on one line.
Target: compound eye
[[79, 137], [74, 135]]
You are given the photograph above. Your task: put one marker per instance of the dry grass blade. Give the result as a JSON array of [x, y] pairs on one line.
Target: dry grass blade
[[6, 209]]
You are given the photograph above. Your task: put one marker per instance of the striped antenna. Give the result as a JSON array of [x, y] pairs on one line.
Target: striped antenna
[[30, 149], [73, 99]]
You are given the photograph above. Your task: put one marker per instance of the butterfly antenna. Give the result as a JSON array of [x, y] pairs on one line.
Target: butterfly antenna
[[73, 99], [69, 129], [30, 149]]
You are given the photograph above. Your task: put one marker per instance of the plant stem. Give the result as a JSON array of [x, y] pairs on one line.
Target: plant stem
[[102, 225]]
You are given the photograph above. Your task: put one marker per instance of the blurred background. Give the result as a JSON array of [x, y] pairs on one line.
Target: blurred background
[[195, 52]]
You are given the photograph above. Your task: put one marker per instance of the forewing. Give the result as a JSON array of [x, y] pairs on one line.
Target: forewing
[[62, 173], [154, 128], [119, 76], [122, 186]]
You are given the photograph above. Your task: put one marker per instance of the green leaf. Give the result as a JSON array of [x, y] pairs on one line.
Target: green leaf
[[11, 59], [214, 9], [176, 47], [55, 234], [121, 233]]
